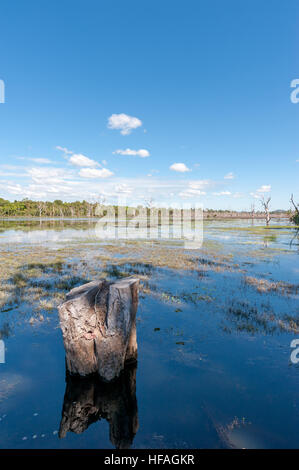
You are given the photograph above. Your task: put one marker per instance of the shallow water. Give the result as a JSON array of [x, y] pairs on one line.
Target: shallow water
[[214, 367]]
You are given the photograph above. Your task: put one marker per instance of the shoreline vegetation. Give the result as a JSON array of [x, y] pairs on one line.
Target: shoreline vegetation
[[58, 209]]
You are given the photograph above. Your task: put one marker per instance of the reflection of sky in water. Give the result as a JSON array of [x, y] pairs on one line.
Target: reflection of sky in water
[[250, 235], [213, 385]]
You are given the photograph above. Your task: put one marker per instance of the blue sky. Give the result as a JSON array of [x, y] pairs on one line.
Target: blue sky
[[208, 83]]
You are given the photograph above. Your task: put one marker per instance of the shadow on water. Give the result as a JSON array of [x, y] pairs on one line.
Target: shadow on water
[[89, 399]]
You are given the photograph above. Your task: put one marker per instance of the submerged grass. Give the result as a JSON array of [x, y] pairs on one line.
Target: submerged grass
[[39, 277], [245, 317], [264, 285]]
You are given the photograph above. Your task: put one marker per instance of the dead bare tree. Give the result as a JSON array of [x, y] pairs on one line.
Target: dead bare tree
[[295, 216], [149, 202], [265, 203], [252, 210], [89, 209], [40, 206], [99, 206]]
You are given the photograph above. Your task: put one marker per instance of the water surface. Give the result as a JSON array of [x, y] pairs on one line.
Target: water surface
[[214, 367]]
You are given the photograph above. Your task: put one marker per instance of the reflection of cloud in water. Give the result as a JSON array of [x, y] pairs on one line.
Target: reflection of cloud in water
[[238, 435], [41, 236], [12, 383], [191, 359]]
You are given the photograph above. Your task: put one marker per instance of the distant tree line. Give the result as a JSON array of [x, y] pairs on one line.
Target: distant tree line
[[57, 208]]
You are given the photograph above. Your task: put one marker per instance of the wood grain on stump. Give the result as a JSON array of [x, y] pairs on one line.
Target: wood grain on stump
[[98, 323]]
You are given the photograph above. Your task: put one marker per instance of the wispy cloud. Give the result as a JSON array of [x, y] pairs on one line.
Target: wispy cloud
[[196, 188], [49, 176], [124, 123], [201, 184], [229, 176], [222, 193], [42, 161], [123, 189], [266, 188], [143, 153], [64, 150], [152, 172], [89, 183], [188, 193], [180, 167], [94, 173]]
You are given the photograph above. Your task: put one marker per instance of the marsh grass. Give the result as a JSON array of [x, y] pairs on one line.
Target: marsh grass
[[265, 286], [36, 279], [244, 317]]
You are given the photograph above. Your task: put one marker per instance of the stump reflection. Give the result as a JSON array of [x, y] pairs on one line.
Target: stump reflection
[[87, 400]]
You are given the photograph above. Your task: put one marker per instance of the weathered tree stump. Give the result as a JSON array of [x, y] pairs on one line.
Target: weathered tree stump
[[88, 400], [98, 322]]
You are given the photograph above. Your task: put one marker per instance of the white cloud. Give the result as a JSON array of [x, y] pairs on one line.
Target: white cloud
[[180, 167], [94, 173], [191, 193], [143, 153], [222, 193], [266, 188], [196, 188], [64, 150], [124, 123], [36, 160], [201, 184], [40, 160], [69, 184], [77, 159], [14, 189], [47, 176], [123, 189], [229, 176], [256, 196]]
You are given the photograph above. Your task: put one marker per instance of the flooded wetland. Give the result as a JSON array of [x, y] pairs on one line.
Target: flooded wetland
[[214, 331]]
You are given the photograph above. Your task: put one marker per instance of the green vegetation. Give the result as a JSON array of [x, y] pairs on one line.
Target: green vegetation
[[77, 209], [295, 218], [28, 208]]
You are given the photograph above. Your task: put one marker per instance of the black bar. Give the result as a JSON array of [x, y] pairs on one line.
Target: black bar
[[152, 457]]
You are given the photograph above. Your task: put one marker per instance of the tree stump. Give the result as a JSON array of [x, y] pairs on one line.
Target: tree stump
[[98, 323]]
